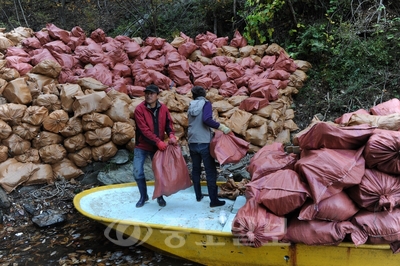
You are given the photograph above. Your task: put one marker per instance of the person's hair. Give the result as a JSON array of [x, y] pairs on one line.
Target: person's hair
[[198, 91]]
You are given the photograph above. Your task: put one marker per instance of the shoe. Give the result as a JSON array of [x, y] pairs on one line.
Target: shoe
[[213, 194], [161, 202], [199, 198], [217, 203], [141, 184], [141, 201]]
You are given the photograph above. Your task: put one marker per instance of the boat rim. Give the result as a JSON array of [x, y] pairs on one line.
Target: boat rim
[[104, 220]]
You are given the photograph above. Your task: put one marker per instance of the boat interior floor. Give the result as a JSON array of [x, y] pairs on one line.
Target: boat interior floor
[[182, 209]]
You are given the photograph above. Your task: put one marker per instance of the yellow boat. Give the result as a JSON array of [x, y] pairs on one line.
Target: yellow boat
[[193, 231]]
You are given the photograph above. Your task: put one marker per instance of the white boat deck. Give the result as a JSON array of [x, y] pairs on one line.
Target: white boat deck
[[182, 209]]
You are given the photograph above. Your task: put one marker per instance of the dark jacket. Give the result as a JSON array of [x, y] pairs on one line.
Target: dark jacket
[[151, 127]]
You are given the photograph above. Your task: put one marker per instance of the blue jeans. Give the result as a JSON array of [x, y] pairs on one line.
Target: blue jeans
[[139, 157], [201, 152]]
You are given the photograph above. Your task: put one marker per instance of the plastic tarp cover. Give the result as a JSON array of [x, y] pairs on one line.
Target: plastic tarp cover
[[170, 172]]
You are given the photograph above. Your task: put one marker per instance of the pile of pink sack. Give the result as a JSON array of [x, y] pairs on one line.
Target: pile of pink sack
[[68, 98], [343, 186]]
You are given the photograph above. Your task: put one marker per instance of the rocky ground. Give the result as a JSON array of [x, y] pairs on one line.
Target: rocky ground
[[40, 226]]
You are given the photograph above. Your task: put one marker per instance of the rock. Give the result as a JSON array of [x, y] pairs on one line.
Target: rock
[[121, 157], [241, 174], [89, 178], [4, 202], [94, 167], [49, 217], [29, 208], [123, 174], [91, 172]]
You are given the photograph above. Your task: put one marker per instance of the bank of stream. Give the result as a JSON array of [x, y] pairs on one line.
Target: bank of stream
[[76, 240]]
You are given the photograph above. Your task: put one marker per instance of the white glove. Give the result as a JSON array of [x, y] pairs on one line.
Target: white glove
[[224, 128]]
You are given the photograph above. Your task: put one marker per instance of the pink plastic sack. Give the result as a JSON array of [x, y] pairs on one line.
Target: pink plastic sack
[[227, 148], [170, 172], [386, 108], [318, 232], [382, 151], [332, 136], [269, 159], [281, 192], [338, 208], [254, 226], [381, 227], [329, 171], [377, 191]]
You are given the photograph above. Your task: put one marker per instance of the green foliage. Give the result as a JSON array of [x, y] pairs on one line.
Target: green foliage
[[313, 40], [354, 70], [259, 16]]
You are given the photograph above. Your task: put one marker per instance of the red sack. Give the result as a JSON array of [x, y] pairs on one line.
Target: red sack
[[170, 172], [381, 227], [329, 171], [337, 208], [332, 136], [227, 148], [318, 232], [255, 226], [270, 162], [381, 151], [344, 119], [377, 191], [281, 192], [386, 108]]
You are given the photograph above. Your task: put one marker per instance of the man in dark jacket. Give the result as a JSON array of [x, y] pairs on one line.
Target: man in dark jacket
[[153, 120], [199, 137]]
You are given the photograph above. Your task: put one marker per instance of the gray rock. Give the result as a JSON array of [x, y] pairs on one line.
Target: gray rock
[[241, 174], [89, 178], [27, 189], [94, 167], [122, 174], [121, 157], [4, 202], [49, 217], [29, 208]]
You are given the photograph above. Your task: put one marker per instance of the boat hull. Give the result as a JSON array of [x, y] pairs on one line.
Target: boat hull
[[211, 249], [219, 248]]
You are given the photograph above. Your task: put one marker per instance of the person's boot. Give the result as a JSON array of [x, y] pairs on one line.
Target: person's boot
[[141, 184], [197, 191], [213, 194], [161, 202]]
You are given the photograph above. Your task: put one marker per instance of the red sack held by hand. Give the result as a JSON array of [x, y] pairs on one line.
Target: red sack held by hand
[[170, 172], [227, 148]]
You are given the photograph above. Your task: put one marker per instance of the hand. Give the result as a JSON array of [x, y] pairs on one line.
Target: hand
[[172, 140], [161, 145], [224, 128]]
